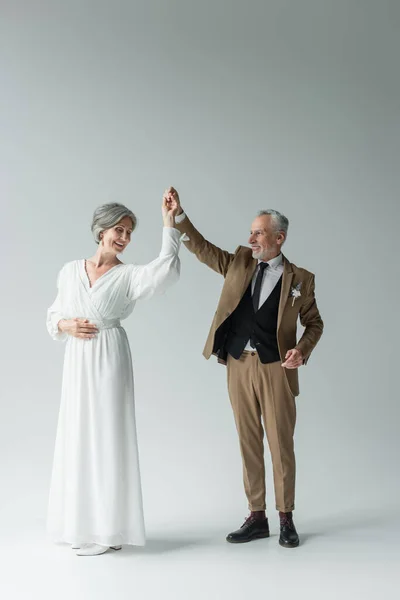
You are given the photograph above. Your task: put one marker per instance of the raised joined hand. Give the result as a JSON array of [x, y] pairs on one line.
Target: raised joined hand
[[171, 206]]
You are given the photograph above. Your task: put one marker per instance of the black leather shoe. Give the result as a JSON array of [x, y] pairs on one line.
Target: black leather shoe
[[252, 529], [288, 537]]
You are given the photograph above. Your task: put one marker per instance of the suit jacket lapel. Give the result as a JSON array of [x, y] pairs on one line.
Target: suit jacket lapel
[[231, 300], [286, 282], [248, 275]]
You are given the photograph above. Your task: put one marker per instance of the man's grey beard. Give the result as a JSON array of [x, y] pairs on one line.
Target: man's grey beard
[[260, 255]]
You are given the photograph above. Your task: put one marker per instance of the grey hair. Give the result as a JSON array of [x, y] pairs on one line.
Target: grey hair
[[108, 215], [280, 222]]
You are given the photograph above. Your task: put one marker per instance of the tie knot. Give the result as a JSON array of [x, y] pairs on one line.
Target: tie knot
[[263, 265]]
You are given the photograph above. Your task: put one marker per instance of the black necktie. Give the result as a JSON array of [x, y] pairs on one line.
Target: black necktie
[[257, 287]]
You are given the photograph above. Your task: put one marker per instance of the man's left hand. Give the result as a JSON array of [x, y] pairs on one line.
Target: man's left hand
[[293, 359]]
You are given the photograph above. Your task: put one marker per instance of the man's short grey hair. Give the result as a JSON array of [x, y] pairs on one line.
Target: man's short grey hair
[[280, 222], [108, 215]]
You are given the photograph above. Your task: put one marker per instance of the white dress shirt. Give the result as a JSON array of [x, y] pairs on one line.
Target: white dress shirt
[[270, 277], [179, 218]]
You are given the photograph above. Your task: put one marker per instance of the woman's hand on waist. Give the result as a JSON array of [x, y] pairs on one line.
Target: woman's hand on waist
[[79, 328]]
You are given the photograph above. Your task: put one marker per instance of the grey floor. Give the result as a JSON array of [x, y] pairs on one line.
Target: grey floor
[[346, 556]]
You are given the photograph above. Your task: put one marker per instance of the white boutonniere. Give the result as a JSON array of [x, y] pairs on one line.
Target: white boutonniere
[[295, 292]]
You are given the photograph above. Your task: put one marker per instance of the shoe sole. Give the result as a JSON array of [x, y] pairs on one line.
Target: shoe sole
[[296, 545], [115, 548], [259, 536], [112, 547]]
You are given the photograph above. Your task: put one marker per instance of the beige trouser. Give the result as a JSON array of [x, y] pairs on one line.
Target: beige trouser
[[258, 392]]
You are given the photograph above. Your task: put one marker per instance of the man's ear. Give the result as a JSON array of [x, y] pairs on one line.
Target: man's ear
[[281, 238]]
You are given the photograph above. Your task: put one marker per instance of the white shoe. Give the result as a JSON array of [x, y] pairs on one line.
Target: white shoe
[[75, 546], [95, 549]]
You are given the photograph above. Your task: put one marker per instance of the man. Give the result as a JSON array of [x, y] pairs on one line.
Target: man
[[254, 334]]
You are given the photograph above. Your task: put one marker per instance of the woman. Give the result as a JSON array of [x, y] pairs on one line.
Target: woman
[[95, 497]]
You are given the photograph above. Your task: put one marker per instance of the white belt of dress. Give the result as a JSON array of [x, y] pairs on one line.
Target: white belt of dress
[[110, 324]]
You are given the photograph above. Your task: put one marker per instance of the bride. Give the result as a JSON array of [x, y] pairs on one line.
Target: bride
[[95, 497]]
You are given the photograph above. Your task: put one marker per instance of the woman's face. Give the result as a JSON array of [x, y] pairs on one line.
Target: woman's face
[[116, 239]]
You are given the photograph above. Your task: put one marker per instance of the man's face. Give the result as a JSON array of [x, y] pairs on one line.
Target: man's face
[[264, 240]]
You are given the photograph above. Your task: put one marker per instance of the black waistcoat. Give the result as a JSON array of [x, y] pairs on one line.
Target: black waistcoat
[[260, 327]]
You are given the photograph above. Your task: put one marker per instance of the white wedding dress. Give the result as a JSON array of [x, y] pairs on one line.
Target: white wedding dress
[[95, 494]]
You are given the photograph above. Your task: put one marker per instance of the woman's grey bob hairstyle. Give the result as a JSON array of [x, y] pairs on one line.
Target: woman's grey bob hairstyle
[[108, 215]]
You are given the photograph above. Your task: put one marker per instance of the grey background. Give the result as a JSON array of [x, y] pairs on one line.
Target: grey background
[[241, 106]]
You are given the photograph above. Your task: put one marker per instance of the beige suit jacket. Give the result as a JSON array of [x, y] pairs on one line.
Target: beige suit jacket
[[238, 270]]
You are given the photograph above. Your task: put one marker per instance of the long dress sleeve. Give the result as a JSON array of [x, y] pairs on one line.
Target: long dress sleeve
[[55, 313], [157, 276]]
